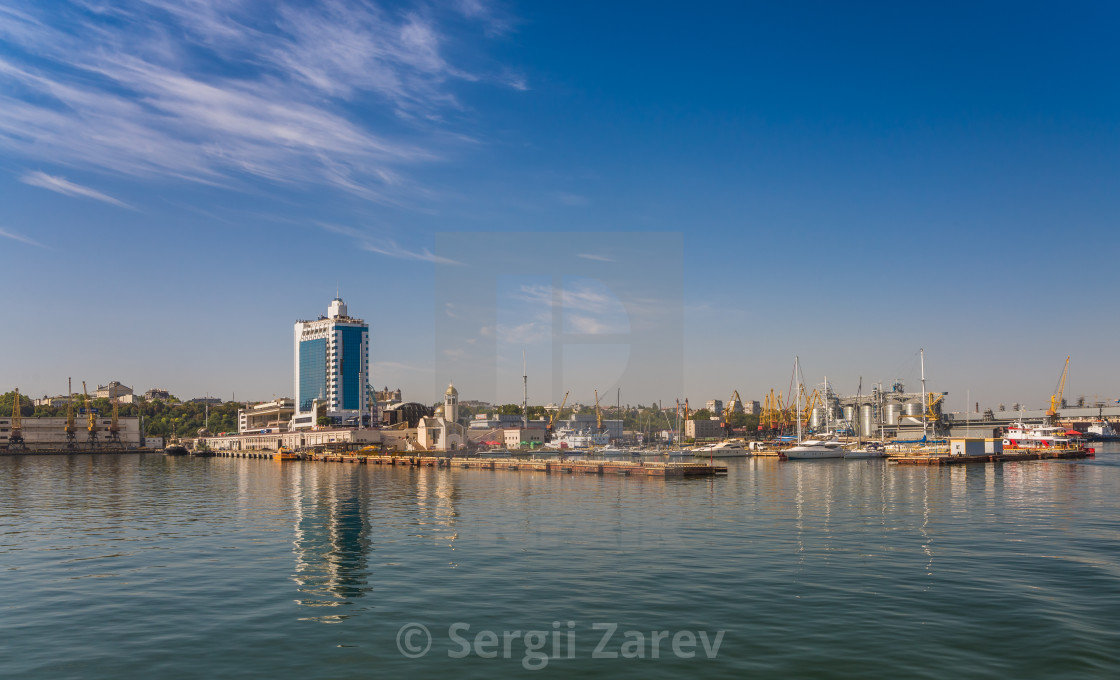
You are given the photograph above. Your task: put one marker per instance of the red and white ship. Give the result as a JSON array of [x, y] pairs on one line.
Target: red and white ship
[[1033, 437]]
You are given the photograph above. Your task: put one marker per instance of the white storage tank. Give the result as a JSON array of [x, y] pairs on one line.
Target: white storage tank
[[891, 412]]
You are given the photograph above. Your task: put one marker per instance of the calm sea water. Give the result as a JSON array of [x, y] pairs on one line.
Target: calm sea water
[[147, 566]]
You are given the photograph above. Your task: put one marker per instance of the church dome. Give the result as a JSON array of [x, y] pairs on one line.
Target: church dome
[[451, 391]]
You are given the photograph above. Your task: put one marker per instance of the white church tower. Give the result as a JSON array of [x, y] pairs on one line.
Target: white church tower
[[451, 404]]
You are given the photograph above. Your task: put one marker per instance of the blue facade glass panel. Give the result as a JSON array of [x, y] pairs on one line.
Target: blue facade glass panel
[[350, 366], [312, 371]]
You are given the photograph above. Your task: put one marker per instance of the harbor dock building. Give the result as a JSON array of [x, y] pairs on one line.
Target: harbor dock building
[[331, 368], [50, 433]]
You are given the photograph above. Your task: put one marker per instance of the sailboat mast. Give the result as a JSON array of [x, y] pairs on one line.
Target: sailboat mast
[[925, 421], [796, 370]]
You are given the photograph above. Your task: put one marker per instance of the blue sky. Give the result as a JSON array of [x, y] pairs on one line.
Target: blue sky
[[180, 181]]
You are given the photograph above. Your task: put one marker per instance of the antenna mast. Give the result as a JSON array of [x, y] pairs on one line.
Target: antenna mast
[[525, 392]]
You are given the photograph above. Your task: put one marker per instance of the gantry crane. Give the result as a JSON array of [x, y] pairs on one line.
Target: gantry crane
[[1056, 398], [71, 440], [91, 422], [114, 425], [15, 439]]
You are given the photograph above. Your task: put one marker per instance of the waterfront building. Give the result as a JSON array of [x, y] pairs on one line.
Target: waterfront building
[[331, 368], [270, 416], [50, 433]]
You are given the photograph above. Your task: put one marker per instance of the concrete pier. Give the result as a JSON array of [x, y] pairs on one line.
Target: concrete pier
[[551, 466]]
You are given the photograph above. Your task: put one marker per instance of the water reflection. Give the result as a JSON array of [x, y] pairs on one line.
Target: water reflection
[[331, 539]]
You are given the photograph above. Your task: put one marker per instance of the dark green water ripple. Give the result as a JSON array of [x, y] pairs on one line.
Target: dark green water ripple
[[146, 566]]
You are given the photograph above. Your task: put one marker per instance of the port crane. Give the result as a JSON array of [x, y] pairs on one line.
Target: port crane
[[729, 409], [114, 426], [71, 440], [91, 422], [15, 439], [598, 414], [552, 418], [1056, 398]]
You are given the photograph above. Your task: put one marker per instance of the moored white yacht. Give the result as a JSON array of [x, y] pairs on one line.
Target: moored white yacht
[[811, 449], [728, 448]]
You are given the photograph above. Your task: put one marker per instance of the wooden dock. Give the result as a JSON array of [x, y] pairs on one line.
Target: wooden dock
[[992, 458], [550, 466]]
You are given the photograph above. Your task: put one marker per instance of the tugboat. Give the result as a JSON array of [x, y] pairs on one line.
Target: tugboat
[[1022, 437], [175, 450]]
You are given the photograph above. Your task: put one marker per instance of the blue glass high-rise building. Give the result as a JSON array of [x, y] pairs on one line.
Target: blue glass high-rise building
[[332, 367]]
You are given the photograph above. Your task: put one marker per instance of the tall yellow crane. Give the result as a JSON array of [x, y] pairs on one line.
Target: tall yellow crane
[[71, 441], [729, 408], [1056, 398], [552, 418], [91, 422], [15, 439]]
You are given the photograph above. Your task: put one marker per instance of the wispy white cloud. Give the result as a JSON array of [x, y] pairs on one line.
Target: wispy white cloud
[[391, 249], [63, 186], [597, 258], [375, 243], [19, 237], [347, 95]]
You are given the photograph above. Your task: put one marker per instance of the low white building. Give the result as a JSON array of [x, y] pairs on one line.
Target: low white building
[[527, 437]]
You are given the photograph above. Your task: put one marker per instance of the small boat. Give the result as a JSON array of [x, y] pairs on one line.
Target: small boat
[[203, 453], [1101, 430], [176, 451], [285, 454]]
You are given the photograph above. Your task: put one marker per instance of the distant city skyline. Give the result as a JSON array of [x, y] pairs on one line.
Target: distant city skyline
[[180, 182]]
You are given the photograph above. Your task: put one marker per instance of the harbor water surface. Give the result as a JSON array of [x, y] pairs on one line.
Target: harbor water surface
[[151, 566]]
